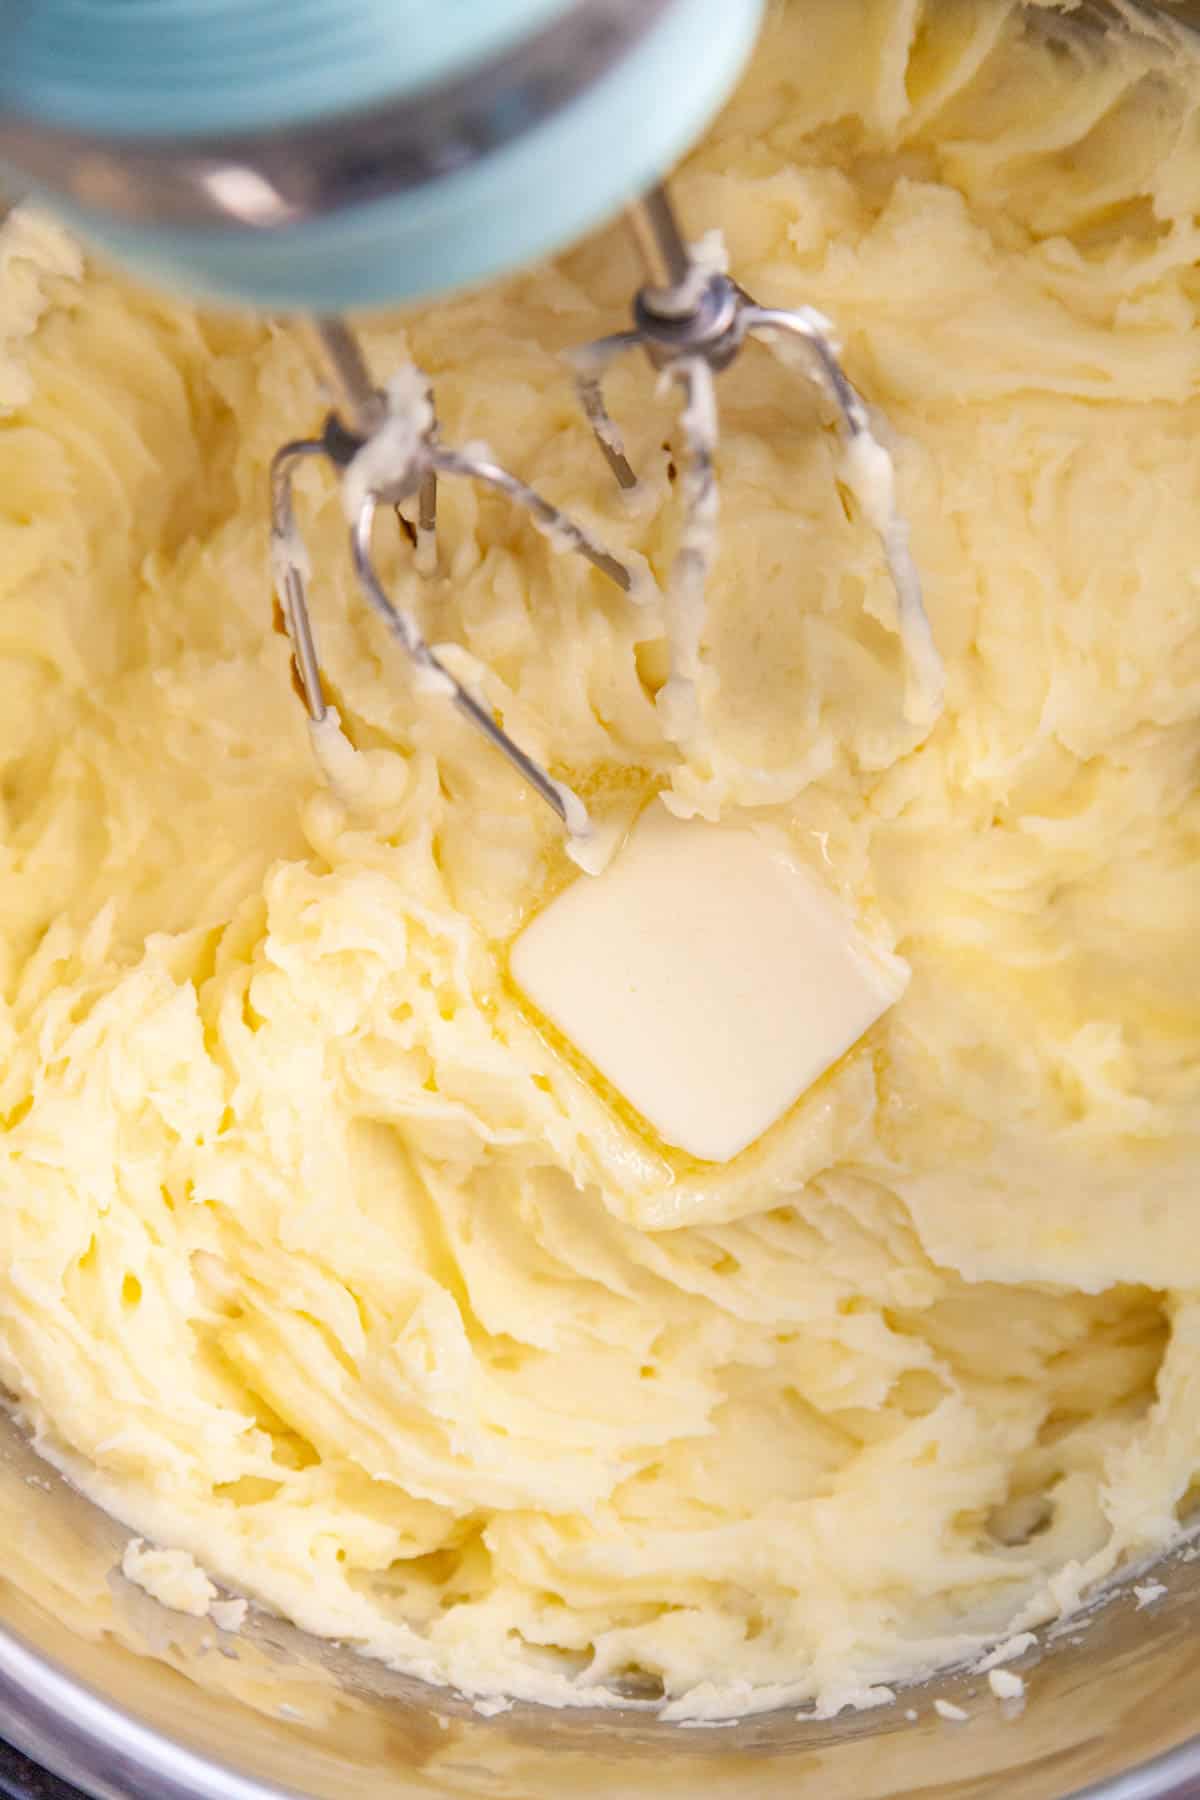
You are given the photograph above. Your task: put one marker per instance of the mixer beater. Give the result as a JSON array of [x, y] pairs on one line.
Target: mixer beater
[[691, 319], [387, 452]]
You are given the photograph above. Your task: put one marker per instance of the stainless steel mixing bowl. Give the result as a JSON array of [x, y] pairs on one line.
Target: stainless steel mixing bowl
[[133, 1701], [127, 1700]]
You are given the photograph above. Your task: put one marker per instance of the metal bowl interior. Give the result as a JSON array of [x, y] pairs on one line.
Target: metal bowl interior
[[130, 1702]]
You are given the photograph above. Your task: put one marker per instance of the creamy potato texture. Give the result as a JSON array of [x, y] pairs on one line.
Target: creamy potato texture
[[320, 1263]]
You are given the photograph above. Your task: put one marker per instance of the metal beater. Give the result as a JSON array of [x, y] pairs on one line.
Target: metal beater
[[691, 319], [386, 448]]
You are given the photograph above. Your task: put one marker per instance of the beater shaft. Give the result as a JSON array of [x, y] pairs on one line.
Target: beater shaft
[[665, 256], [359, 399]]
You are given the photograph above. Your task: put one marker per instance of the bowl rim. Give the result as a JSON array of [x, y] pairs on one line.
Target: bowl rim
[[63, 1724]]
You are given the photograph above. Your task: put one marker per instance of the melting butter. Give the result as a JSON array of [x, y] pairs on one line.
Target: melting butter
[[707, 977]]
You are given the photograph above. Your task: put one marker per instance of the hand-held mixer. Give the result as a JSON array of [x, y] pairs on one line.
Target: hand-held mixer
[[313, 157]]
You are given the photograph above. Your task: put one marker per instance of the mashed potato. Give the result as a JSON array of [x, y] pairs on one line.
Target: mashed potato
[[320, 1264]]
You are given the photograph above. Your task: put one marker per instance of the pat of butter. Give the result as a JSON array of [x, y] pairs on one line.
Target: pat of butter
[[705, 976]]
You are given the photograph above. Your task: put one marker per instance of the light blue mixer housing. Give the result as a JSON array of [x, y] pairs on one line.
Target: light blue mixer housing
[[324, 155]]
